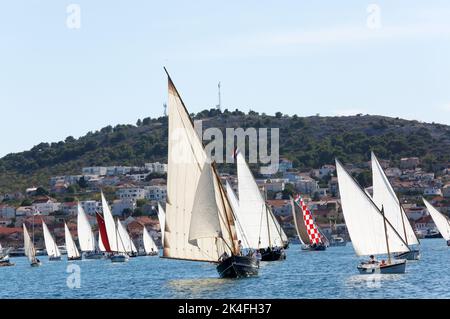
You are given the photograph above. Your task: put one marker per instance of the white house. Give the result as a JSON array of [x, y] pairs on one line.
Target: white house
[[432, 191], [156, 167], [156, 192], [119, 205], [326, 170], [96, 170], [90, 206], [307, 186], [7, 211], [45, 205], [133, 193]]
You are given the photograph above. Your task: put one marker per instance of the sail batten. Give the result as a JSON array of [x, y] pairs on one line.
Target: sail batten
[[442, 222], [186, 159], [365, 222]]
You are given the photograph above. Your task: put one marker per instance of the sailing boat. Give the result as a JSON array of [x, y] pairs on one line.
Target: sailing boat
[[113, 239], [369, 229], [442, 222], [307, 230], [385, 196], [162, 221], [263, 231], [72, 250], [50, 244], [199, 223], [86, 237], [4, 257], [30, 251], [103, 242], [129, 246], [149, 245]]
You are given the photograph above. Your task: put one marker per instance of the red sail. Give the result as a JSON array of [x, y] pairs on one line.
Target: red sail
[[311, 227], [102, 230]]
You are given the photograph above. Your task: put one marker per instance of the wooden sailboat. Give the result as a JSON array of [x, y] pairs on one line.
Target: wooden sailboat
[[50, 244], [149, 245], [369, 229], [103, 242], [199, 223], [442, 221], [162, 221], [86, 237], [262, 230], [30, 251], [129, 246], [307, 230], [72, 250], [385, 196], [115, 240]]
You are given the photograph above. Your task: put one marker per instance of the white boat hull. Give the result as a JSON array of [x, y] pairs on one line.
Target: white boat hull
[[395, 267]]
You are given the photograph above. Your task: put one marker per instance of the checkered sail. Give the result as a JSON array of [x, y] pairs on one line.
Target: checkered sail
[[311, 227]]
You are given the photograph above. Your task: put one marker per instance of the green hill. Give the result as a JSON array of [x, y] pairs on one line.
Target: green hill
[[308, 141]]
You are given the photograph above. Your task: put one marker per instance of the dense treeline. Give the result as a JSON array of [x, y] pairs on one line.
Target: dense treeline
[[309, 141]]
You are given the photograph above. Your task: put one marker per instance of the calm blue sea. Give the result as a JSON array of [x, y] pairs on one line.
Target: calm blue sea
[[328, 274]]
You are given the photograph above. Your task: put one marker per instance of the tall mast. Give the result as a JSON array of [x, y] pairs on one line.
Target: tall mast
[[385, 233]]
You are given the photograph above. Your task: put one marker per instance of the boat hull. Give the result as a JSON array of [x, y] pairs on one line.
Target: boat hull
[[314, 248], [238, 267], [396, 267], [54, 258], [73, 258], [273, 255], [119, 258], [93, 255], [409, 255], [35, 263]]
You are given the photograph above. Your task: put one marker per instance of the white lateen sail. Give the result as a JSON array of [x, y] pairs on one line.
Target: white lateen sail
[[162, 221], [30, 252], [186, 160], [85, 235], [72, 250], [442, 222], [50, 244], [234, 202], [149, 244], [124, 240], [365, 222], [261, 228], [101, 247], [384, 197]]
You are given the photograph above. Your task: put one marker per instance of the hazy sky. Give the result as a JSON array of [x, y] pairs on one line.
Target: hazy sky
[[302, 57]]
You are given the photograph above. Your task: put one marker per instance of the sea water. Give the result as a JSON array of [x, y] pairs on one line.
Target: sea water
[[322, 274]]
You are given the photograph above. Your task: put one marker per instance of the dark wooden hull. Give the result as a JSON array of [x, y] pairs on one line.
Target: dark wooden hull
[[409, 255], [238, 267], [273, 255], [93, 255], [73, 258]]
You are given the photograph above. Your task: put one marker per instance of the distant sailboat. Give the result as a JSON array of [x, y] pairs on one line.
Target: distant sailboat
[[369, 229], [199, 223], [149, 245], [4, 257], [50, 244], [86, 237], [72, 250], [442, 221], [115, 241], [30, 251], [162, 221], [262, 230], [307, 230], [129, 246], [385, 197]]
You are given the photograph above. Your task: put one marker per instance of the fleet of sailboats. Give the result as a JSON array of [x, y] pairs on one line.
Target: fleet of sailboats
[[207, 221]]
